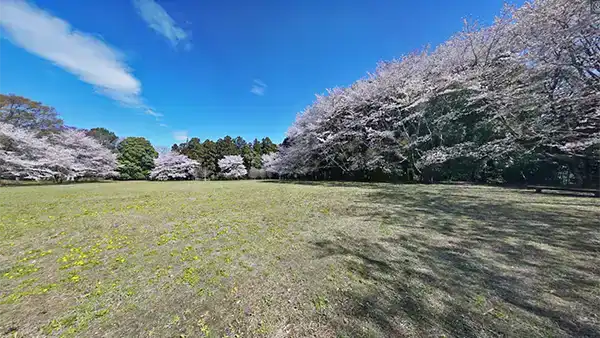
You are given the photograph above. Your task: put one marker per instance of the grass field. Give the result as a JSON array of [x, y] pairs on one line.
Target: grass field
[[247, 258]]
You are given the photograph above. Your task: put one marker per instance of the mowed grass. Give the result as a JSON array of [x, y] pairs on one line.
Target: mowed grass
[[247, 258]]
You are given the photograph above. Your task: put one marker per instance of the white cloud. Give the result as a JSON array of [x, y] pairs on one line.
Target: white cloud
[[260, 83], [163, 125], [151, 112], [180, 135], [158, 19], [87, 57], [258, 87]]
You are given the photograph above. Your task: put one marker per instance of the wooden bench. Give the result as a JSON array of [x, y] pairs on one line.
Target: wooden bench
[[539, 189]]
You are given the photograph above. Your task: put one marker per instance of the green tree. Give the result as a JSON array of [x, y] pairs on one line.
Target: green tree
[[25, 113], [210, 158], [239, 142], [136, 158], [104, 136], [205, 153], [193, 149], [226, 146], [257, 146], [251, 158], [267, 146]]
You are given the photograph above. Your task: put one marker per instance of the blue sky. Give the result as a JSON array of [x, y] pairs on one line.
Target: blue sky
[[167, 69]]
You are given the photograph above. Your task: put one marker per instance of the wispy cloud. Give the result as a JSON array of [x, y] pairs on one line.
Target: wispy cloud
[[158, 19], [258, 87], [180, 135], [151, 112], [81, 54], [163, 125]]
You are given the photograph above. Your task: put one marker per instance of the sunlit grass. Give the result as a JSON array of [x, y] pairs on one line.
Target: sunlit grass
[[271, 259]]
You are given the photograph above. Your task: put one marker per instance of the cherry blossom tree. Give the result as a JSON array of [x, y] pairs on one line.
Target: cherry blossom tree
[[25, 156], [67, 155], [525, 89], [90, 157], [232, 166], [270, 163], [173, 166]]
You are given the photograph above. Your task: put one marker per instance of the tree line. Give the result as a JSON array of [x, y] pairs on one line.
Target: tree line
[[515, 102], [209, 153], [35, 144]]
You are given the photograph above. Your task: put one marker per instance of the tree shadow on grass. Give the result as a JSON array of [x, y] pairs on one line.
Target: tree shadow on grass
[[561, 193], [469, 263]]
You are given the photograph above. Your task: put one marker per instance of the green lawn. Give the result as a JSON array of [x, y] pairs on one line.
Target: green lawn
[[237, 259]]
